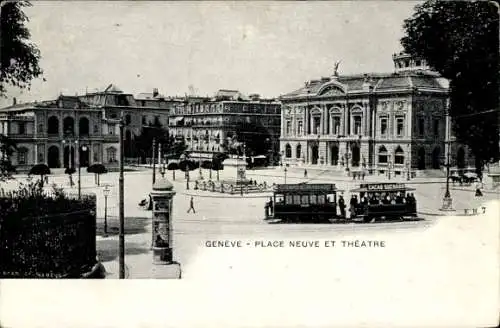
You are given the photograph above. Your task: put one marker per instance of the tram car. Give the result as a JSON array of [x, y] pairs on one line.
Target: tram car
[[310, 203], [383, 201]]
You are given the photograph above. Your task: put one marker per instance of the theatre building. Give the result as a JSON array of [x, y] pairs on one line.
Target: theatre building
[[393, 122]]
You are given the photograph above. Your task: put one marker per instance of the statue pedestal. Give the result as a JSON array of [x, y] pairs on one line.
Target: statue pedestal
[[236, 171]]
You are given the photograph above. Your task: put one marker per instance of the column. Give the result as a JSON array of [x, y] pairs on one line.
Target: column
[[321, 123], [61, 154], [35, 154], [282, 128]]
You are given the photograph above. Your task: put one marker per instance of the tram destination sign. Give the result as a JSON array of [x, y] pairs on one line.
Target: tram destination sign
[[383, 186], [320, 187]]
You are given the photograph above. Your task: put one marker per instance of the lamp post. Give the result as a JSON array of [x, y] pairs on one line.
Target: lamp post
[[244, 166], [106, 194], [121, 206], [70, 142], [447, 200], [154, 160], [199, 160]]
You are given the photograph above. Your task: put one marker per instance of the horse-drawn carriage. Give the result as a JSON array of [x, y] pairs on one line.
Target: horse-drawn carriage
[[387, 201], [303, 203]]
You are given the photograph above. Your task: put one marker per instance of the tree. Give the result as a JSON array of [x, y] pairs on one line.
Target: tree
[[70, 171], [144, 141], [19, 63], [7, 148], [217, 160], [41, 170], [173, 166], [459, 39], [97, 169]]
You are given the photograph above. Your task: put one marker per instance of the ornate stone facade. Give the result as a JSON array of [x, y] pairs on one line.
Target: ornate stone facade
[[380, 122]]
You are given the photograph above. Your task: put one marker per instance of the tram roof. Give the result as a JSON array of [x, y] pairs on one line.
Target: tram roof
[[306, 187], [374, 187]]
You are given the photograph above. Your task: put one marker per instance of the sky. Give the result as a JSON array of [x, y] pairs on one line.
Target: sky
[[269, 48]]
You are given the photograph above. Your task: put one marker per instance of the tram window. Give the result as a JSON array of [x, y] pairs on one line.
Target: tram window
[[321, 199], [313, 199], [296, 199], [305, 199], [289, 199]]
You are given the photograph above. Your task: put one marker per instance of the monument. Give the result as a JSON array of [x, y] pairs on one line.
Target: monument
[[236, 171]]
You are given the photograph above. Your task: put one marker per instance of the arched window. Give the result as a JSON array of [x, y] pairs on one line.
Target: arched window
[[69, 126], [111, 155], [83, 126], [399, 156], [288, 151], [53, 125], [382, 154], [298, 151]]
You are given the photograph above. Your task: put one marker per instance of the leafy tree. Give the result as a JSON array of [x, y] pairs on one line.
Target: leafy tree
[[217, 160], [173, 166], [144, 141], [40, 169], [97, 169], [19, 63], [459, 39], [7, 148]]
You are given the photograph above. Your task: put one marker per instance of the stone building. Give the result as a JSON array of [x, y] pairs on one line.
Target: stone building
[[80, 129], [206, 123], [60, 133], [146, 109], [382, 122]]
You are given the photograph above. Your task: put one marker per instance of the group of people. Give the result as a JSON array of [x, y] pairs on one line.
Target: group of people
[[375, 199]]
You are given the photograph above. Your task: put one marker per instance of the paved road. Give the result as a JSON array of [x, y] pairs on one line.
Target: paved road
[[237, 218]]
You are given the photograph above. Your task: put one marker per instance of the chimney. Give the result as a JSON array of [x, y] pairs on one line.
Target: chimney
[[14, 101], [155, 92]]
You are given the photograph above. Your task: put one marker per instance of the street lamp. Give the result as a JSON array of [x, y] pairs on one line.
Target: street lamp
[[447, 200], [106, 194], [70, 160], [154, 160], [199, 159], [121, 207]]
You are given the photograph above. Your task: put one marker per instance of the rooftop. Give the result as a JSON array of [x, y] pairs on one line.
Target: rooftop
[[377, 81]]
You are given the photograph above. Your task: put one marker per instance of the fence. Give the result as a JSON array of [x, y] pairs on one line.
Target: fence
[[46, 234]]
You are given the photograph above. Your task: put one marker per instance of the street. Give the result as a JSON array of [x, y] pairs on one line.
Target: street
[[231, 217]]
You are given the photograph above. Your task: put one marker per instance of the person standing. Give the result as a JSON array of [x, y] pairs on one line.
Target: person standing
[[342, 206], [305, 173], [191, 205]]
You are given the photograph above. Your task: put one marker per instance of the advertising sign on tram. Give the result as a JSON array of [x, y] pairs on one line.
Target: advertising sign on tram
[[383, 186]]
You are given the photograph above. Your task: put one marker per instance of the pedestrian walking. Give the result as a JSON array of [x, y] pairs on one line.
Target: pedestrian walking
[[305, 173], [191, 205]]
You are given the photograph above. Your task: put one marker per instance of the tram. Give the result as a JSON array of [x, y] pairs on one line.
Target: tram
[[386, 201], [303, 203]]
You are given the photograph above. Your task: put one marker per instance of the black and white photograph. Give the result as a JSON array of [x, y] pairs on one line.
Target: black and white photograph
[[249, 163]]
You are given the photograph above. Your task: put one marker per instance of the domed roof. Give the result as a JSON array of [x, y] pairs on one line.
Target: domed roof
[[163, 184]]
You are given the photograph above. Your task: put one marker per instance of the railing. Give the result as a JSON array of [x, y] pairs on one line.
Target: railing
[[46, 234]]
